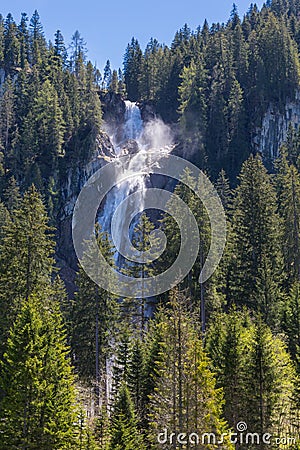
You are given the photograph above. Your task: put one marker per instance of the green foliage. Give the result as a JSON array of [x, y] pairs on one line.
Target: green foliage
[[124, 432], [37, 406], [256, 269], [288, 191], [255, 371], [185, 397], [50, 109], [26, 262], [93, 317]]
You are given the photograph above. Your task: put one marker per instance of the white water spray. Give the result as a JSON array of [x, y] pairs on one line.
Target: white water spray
[[137, 138]]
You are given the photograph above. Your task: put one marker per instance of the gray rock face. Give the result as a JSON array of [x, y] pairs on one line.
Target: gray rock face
[[75, 178], [273, 131], [130, 147], [113, 107], [148, 111]]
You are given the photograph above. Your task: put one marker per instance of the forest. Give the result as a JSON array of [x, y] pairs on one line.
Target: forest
[[215, 365]]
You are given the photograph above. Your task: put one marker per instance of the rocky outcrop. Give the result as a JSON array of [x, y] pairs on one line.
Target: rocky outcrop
[[273, 131], [74, 180], [148, 111], [113, 108]]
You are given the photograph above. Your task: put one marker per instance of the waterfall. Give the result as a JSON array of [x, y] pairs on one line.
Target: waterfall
[[133, 121], [137, 138], [132, 129]]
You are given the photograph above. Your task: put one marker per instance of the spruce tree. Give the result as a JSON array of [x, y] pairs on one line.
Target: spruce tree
[[228, 341], [93, 319], [136, 377], [185, 399], [114, 84], [269, 384], [26, 262], [255, 270], [142, 241], [38, 401], [288, 190], [124, 432], [291, 321], [132, 69], [107, 75], [224, 191]]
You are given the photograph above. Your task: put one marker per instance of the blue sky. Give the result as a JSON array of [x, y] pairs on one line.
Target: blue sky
[[107, 26]]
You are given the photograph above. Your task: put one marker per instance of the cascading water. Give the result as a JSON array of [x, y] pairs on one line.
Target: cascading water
[[137, 138], [133, 121]]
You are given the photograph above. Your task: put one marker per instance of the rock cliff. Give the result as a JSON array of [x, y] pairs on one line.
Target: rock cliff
[[274, 127]]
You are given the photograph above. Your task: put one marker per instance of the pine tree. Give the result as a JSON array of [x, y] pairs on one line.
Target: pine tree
[[92, 106], [132, 69], [193, 108], [186, 399], [142, 241], [114, 84], [288, 188], [291, 321], [11, 45], [224, 191], [204, 296], [255, 371], [228, 340], [256, 269], [43, 141], [269, 383], [7, 115], [107, 75], [59, 46], [37, 407], [93, 318], [37, 39], [121, 83], [136, 377], [12, 196], [121, 359], [124, 432], [78, 50], [24, 41], [26, 262]]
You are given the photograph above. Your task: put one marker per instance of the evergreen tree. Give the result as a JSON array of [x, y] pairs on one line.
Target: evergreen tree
[[193, 108], [270, 383], [288, 188], [132, 69], [78, 51], [142, 241], [223, 189], [93, 318], [185, 398], [124, 432], [37, 39], [228, 341], [37, 406], [121, 83], [114, 84], [7, 115], [24, 41], [59, 46], [107, 75], [256, 269], [291, 321], [136, 377], [26, 262], [11, 45]]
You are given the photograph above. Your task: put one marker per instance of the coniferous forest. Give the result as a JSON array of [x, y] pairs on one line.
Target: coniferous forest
[[83, 369]]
